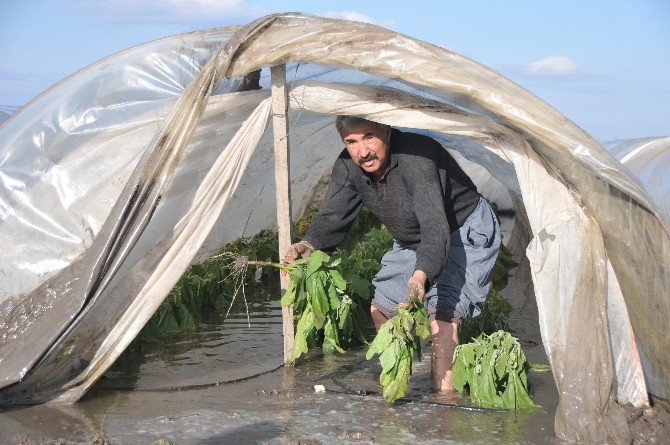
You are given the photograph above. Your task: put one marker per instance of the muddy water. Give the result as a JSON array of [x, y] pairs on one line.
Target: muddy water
[[225, 384]]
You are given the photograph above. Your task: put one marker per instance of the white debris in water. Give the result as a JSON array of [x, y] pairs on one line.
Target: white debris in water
[[319, 388]]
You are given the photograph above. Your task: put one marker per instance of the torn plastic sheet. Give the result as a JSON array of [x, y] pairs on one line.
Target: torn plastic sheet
[[55, 200]]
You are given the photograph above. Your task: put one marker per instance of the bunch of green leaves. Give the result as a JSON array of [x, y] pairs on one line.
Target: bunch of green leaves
[[360, 254], [397, 343], [361, 251], [323, 308], [493, 371]]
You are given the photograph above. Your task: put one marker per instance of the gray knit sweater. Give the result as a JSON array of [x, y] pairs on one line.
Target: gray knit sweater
[[423, 196]]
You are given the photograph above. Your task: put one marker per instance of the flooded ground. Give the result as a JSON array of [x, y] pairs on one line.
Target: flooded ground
[[225, 384]]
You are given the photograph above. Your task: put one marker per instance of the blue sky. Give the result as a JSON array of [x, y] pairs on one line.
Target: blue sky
[[604, 64]]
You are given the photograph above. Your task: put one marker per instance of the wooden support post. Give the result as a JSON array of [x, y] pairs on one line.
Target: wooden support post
[[283, 185]]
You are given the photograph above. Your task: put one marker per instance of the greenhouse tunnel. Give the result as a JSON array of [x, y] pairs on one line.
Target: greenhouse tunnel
[[123, 174]]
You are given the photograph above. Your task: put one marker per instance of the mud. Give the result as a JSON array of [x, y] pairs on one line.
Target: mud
[[649, 425]]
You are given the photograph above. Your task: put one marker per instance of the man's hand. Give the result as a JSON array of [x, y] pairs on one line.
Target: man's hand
[[416, 285], [303, 249]]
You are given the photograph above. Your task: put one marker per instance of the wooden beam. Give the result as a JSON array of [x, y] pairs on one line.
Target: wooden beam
[[283, 186]]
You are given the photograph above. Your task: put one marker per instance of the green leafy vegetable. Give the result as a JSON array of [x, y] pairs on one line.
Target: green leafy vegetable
[[492, 370], [397, 343], [323, 308]]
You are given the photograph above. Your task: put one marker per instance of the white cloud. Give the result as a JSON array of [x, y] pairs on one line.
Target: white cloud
[[358, 17], [170, 11], [554, 66]]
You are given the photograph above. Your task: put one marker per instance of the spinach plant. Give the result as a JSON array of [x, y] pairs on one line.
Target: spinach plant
[[492, 370], [397, 343], [323, 307]]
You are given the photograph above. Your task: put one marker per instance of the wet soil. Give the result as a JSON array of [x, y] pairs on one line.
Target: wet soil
[[649, 425]]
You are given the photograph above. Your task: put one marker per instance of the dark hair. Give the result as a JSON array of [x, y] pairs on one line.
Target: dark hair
[[343, 122]]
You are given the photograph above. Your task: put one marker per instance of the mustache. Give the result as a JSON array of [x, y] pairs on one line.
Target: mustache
[[369, 157]]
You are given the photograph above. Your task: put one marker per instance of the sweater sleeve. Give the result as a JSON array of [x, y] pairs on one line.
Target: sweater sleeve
[[337, 212], [428, 202]]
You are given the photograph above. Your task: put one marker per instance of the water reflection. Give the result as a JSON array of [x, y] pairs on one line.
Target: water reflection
[[223, 349]]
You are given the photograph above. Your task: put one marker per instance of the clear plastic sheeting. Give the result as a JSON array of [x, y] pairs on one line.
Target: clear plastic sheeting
[[111, 183], [97, 123]]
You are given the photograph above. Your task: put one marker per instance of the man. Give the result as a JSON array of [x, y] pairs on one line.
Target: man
[[446, 237]]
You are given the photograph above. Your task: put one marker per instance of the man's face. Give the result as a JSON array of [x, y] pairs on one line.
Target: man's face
[[368, 146]]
